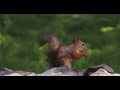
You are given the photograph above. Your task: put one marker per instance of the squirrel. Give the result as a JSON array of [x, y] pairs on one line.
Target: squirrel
[[59, 55]]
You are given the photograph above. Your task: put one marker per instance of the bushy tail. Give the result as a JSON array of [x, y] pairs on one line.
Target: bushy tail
[[51, 39], [53, 43]]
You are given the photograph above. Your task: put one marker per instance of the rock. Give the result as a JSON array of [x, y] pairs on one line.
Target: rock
[[5, 71], [81, 72], [104, 66], [2, 73], [115, 74], [95, 68], [103, 72], [59, 71], [32, 74], [99, 70], [23, 73], [13, 74]]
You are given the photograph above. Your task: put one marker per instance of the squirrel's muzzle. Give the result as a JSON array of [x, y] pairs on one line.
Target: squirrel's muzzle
[[84, 53]]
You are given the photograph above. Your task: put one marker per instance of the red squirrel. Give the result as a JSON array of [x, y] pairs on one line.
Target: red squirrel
[[59, 55]]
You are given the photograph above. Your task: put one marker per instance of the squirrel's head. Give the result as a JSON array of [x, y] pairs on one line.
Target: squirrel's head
[[80, 46]]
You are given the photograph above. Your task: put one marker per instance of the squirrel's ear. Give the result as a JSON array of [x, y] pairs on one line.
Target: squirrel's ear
[[76, 40]]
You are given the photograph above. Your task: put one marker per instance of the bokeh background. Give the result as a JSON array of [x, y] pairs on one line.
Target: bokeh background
[[19, 33]]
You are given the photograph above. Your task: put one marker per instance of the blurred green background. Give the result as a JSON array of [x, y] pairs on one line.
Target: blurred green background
[[19, 33]]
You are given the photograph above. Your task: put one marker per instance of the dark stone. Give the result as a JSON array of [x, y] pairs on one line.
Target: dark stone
[[23, 73], [2, 69], [81, 72], [61, 71], [2, 73], [95, 68]]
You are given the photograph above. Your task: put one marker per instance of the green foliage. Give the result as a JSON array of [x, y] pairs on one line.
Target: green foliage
[[19, 49]]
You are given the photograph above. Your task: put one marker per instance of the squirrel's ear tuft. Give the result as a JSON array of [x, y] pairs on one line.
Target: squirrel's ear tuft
[[76, 40]]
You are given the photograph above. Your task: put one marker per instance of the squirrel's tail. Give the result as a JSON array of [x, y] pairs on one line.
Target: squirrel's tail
[[53, 43], [51, 39]]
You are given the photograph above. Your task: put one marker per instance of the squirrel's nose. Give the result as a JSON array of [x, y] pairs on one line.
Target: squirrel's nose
[[85, 48]]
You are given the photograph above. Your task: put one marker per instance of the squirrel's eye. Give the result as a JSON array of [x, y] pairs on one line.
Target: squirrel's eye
[[83, 44]]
